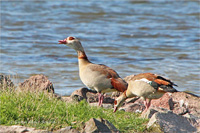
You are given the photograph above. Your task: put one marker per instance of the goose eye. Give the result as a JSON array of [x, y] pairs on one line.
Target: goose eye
[[71, 38]]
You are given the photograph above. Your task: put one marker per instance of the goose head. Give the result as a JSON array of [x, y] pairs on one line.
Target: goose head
[[119, 101], [73, 43]]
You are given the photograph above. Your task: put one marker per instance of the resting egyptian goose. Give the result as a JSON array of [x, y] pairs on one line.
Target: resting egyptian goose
[[146, 85], [95, 76]]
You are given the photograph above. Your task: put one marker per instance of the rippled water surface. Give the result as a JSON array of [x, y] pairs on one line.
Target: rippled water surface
[[158, 36]]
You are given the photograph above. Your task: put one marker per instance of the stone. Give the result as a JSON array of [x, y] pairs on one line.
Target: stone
[[186, 103], [104, 105], [133, 100], [180, 110], [149, 113], [5, 82], [179, 102], [77, 98], [68, 129], [66, 99], [99, 125], [58, 96], [83, 93], [109, 125], [37, 83], [15, 129], [133, 107], [170, 122], [23, 129], [89, 95], [164, 102]]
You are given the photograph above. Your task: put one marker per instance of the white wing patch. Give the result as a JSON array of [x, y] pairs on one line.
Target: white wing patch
[[144, 80]]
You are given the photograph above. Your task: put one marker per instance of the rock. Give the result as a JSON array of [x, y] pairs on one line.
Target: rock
[[133, 100], [186, 103], [89, 95], [149, 113], [66, 99], [170, 122], [164, 102], [23, 129], [5, 82], [68, 129], [37, 83], [112, 128], [83, 93], [99, 125], [179, 102], [180, 110], [17, 129], [58, 96], [107, 106], [133, 107], [104, 105]]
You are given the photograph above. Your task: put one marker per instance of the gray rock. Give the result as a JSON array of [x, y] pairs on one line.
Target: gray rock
[[89, 95], [77, 98], [164, 102], [15, 129], [5, 82], [186, 103], [133, 100], [133, 107], [83, 93], [37, 83], [109, 125], [66, 99], [107, 106], [99, 125], [149, 113], [170, 122]]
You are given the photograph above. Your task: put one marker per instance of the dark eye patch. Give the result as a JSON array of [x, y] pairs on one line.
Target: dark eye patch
[[71, 38]]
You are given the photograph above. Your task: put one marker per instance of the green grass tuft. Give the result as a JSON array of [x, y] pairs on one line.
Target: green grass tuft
[[42, 111]]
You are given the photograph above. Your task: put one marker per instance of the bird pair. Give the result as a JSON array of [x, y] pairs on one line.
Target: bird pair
[[103, 79]]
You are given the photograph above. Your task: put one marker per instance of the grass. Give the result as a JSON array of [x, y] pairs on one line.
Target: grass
[[43, 111]]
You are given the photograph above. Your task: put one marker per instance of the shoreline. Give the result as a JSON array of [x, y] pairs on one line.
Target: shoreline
[[169, 109]]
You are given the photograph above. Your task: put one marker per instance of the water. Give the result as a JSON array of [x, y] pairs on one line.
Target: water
[[158, 36]]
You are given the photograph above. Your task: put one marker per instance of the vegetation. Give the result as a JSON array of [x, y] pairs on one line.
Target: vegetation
[[43, 111]]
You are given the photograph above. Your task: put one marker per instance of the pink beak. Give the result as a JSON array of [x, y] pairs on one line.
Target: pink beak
[[63, 41]]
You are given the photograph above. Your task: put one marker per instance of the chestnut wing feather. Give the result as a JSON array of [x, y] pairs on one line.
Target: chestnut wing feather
[[163, 84], [117, 82]]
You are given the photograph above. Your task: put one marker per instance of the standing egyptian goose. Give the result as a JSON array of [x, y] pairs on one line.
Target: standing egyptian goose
[[146, 85], [95, 76]]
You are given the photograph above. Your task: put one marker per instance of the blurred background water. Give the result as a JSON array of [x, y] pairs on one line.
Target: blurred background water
[[158, 36]]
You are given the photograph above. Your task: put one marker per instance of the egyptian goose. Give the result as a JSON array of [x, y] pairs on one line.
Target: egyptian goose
[[95, 76], [146, 85]]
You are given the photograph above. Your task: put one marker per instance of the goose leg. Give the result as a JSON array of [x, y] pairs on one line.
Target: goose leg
[[147, 104], [101, 97]]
